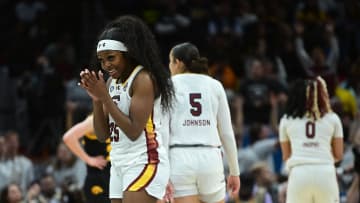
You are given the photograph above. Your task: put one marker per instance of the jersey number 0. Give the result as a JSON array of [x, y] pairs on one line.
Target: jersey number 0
[[310, 129]]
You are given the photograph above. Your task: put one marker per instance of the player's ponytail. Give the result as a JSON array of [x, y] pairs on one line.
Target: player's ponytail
[[189, 54], [199, 65], [317, 99]]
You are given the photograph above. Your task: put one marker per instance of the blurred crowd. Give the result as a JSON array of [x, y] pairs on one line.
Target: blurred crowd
[[255, 48]]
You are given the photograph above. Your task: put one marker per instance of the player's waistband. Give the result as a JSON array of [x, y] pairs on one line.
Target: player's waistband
[[192, 146]]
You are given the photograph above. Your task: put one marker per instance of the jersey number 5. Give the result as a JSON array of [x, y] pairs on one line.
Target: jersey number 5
[[310, 129], [195, 104]]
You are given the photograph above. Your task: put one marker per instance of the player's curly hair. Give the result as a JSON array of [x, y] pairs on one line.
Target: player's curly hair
[[189, 54], [308, 98], [142, 50]]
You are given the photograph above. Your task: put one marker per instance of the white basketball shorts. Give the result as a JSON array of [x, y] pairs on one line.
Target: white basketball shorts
[[312, 183], [197, 171], [151, 177]]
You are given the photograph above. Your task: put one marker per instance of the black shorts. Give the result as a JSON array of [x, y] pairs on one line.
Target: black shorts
[[96, 187]]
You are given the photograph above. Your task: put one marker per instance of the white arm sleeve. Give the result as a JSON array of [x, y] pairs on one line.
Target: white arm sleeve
[[226, 133]]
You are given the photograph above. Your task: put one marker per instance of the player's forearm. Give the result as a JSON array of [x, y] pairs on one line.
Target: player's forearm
[[227, 135], [101, 125], [231, 153], [131, 128], [74, 146]]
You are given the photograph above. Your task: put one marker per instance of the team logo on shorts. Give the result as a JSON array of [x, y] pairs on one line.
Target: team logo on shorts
[[96, 190]]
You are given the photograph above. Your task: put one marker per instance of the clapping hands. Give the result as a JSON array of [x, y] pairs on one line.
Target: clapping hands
[[94, 84]]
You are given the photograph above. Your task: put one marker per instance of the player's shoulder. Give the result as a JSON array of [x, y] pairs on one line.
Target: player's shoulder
[[187, 76], [286, 120], [332, 116]]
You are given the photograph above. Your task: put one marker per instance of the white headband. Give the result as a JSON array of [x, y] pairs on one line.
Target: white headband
[[110, 45]]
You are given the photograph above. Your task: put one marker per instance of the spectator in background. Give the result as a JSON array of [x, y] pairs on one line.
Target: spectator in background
[[78, 103], [60, 55], [311, 13], [244, 16], [49, 191], [3, 149], [345, 169], [249, 192], [47, 118], [282, 192], [349, 19], [352, 84], [261, 148], [318, 63], [8, 105], [223, 71], [27, 10], [353, 195], [265, 179], [3, 170], [222, 22], [255, 91], [15, 167], [354, 153], [33, 193], [66, 168], [172, 24], [11, 194]]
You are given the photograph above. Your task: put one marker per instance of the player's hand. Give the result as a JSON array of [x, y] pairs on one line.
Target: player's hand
[[169, 193], [98, 162], [94, 84], [233, 186]]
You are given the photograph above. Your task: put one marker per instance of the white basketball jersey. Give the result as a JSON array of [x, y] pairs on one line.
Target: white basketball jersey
[[199, 111], [310, 141], [148, 147]]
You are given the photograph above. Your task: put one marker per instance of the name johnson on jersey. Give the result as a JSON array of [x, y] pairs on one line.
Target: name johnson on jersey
[[196, 123]]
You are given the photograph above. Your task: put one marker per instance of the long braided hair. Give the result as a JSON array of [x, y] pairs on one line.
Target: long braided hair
[[308, 98], [142, 50]]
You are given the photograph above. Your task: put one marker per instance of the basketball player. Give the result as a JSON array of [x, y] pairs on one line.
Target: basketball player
[[96, 155], [128, 109], [311, 138], [200, 125]]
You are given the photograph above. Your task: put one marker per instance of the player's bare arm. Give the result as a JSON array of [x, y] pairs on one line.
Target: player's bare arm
[[337, 146], [286, 150], [96, 88], [140, 108]]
